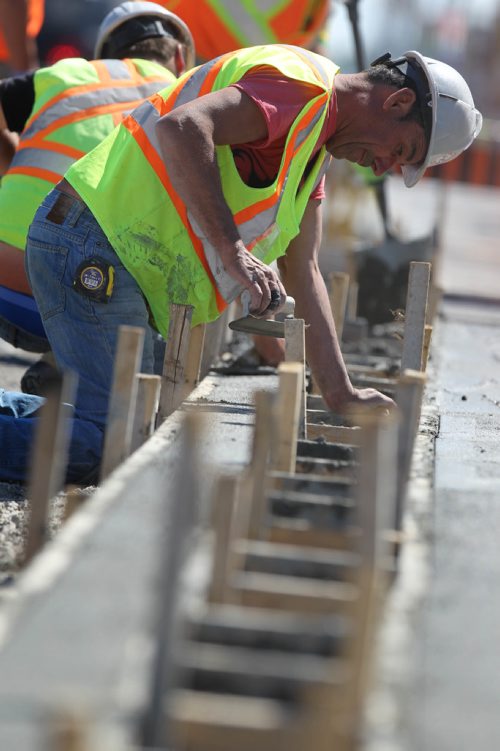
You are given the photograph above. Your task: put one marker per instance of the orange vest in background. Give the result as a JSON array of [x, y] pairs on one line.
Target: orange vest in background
[[36, 10], [236, 24]]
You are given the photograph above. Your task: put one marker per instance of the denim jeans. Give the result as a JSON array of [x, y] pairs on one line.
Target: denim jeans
[[82, 333]]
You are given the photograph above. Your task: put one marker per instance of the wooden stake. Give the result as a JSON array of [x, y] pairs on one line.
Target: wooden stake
[[415, 315], [194, 357], [223, 506], [263, 434], [49, 457], [147, 401], [122, 401], [289, 402], [174, 365], [295, 351], [409, 400], [352, 301], [427, 345]]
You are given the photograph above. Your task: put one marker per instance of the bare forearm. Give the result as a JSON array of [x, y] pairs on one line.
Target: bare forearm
[[322, 345], [8, 145], [188, 138], [304, 281]]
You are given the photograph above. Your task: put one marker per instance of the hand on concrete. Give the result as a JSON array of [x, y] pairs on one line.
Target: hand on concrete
[[370, 398]]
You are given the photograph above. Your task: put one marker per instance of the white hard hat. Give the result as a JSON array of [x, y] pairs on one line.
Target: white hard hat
[[450, 118], [147, 20]]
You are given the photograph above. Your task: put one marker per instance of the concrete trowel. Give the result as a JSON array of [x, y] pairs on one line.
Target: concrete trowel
[[249, 324]]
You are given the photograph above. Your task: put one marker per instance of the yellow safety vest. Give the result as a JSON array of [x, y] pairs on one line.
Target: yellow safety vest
[[126, 184], [77, 104]]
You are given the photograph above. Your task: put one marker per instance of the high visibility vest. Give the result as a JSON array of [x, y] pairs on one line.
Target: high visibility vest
[[219, 26], [36, 11], [77, 103], [150, 227]]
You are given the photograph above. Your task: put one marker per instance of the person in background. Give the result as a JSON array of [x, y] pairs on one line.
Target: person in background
[[53, 116], [220, 26], [20, 24]]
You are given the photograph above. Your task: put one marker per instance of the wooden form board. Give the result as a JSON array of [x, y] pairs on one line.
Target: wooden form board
[[415, 315], [118, 435], [338, 291], [295, 351], [289, 403], [174, 364], [49, 459], [147, 403], [409, 400]]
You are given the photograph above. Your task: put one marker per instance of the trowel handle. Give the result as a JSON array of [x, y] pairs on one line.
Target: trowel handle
[[288, 308]]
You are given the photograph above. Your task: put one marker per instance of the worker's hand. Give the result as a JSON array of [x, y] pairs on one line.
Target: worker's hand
[[343, 399], [267, 293], [370, 398]]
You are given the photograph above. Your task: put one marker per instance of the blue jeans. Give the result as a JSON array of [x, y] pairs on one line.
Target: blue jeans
[[82, 333]]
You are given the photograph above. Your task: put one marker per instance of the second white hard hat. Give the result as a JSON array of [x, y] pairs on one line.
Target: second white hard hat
[[149, 11]]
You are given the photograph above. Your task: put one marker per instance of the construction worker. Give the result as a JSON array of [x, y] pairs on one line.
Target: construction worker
[[199, 189], [20, 24], [219, 26], [62, 112]]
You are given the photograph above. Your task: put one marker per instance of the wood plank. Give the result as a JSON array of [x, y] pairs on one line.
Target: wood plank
[[338, 290], [295, 351], [118, 435], [289, 402], [223, 507], [415, 315], [49, 458], [146, 408], [173, 388]]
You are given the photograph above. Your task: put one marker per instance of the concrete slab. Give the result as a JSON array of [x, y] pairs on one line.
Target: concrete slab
[[78, 632], [458, 677]]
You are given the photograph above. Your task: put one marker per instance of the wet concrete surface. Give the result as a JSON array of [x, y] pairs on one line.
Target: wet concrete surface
[[458, 676]]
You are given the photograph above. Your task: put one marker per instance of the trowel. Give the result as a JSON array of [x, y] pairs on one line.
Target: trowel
[[249, 324]]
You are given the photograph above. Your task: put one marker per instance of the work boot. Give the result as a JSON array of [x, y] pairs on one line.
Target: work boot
[[39, 376]]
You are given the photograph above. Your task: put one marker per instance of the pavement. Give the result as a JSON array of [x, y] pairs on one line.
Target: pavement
[[438, 682]]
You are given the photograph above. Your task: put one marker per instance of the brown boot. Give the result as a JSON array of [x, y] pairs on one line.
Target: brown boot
[[39, 375]]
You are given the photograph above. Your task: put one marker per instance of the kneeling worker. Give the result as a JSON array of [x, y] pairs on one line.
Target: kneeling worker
[[61, 112]]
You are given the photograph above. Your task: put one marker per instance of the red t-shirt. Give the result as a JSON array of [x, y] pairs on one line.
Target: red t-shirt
[[280, 99]]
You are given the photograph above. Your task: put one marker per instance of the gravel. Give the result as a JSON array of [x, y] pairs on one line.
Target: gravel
[[14, 519]]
